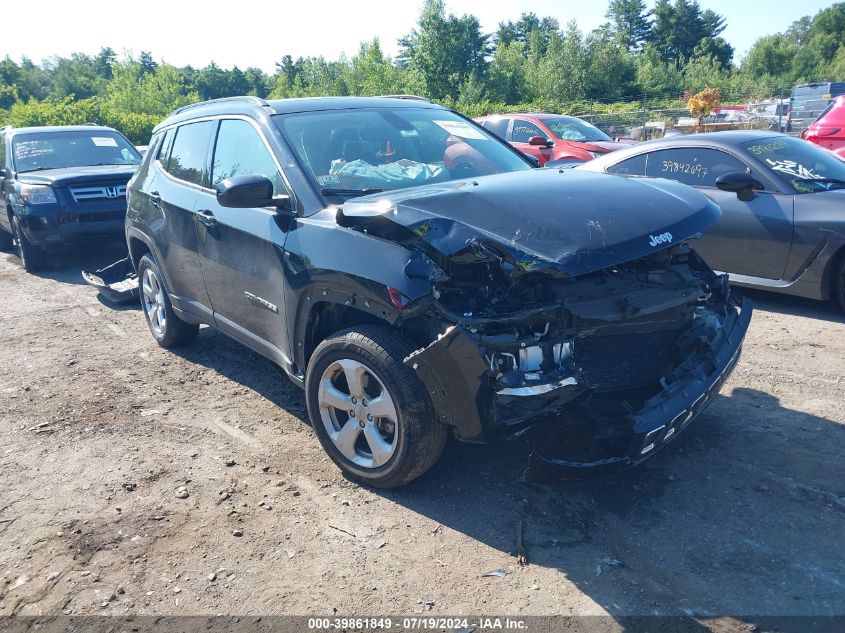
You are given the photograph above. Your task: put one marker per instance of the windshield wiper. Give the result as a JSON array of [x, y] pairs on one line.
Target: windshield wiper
[[349, 192]]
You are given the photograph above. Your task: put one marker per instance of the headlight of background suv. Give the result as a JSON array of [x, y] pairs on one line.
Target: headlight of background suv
[[37, 194], [595, 154]]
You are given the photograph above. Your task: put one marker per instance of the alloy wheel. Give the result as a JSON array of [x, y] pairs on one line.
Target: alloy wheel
[[154, 307], [358, 413]]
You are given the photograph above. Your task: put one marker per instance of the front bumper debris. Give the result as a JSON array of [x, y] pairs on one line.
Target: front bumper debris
[[117, 282], [569, 425], [641, 433]]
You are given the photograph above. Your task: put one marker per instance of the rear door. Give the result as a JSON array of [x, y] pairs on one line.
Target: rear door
[[751, 238], [182, 172], [241, 250]]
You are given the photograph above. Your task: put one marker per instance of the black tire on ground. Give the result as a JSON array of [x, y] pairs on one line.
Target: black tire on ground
[[33, 258], [418, 437], [839, 283], [7, 241], [173, 331]]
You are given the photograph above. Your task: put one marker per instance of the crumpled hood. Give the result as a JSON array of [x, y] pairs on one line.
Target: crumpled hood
[[77, 175], [579, 222]]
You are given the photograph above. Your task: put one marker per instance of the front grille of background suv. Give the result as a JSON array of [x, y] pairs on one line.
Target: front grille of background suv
[[98, 192]]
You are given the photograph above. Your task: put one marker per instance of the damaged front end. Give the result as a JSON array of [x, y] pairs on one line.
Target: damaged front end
[[605, 367], [598, 332]]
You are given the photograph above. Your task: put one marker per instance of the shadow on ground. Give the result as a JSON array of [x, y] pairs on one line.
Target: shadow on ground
[[67, 267], [795, 306], [741, 515]]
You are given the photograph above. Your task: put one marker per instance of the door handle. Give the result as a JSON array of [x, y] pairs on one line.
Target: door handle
[[207, 218], [155, 199]]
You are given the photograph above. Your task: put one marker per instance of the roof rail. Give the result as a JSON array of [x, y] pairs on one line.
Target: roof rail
[[248, 98], [409, 97]]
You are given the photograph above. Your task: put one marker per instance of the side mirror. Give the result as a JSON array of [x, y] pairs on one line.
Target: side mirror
[[535, 162], [2, 173], [540, 141], [741, 183], [244, 192]]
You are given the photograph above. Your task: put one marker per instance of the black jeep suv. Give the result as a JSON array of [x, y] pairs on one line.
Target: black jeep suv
[[416, 276], [60, 185]]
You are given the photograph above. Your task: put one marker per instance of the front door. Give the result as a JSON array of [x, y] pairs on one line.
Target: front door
[[521, 132], [751, 238], [241, 250]]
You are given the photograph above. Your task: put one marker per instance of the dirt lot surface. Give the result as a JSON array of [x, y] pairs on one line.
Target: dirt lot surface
[[100, 428]]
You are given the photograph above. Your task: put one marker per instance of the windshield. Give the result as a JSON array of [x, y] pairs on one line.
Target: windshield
[[360, 151], [805, 167], [572, 129], [55, 150]]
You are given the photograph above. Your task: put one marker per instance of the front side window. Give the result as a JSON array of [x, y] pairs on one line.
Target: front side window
[[239, 151], [695, 166], [359, 151], [37, 151], [634, 166], [523, 130], [189, 157], [577, 130], [804, 167]]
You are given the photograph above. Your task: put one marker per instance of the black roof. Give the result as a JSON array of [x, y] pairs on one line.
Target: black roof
[[245, 105]]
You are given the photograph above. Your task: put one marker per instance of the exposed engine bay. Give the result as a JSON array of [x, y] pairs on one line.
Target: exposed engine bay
[[598, 332], [579, 357]]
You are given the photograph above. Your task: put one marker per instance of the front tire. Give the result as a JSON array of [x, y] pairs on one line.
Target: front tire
[[167, 329], [33, 258], [371, 413]]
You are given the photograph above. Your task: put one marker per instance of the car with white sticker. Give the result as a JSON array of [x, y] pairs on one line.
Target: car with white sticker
[[782, 199], [61, 186], [418, 279]]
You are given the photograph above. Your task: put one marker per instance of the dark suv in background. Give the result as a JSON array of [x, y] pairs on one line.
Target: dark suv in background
[[60, 185], [417, 277]]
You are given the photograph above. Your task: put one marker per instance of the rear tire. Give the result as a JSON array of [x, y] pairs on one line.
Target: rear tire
[[33, 258], [167, 329], [371, 413]]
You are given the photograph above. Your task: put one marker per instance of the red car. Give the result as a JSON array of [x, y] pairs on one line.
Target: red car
[[828, 130], [551, 136]]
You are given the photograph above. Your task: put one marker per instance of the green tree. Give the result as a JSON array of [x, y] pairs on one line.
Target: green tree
[[444, 50], [680, 27], [628, 22], [771, 55], [506, 80], [520, 31], [104, 61]]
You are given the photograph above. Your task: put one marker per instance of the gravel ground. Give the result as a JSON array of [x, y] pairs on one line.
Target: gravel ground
[[134, 480]]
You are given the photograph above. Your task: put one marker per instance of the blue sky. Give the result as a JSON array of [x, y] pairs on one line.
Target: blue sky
[[191, 32]]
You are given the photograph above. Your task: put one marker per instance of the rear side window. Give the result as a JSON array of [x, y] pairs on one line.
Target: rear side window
[[524, 130], [239, 152], [692, 165], [634, 166], [189, 156], [166, 146], [499, 127]]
